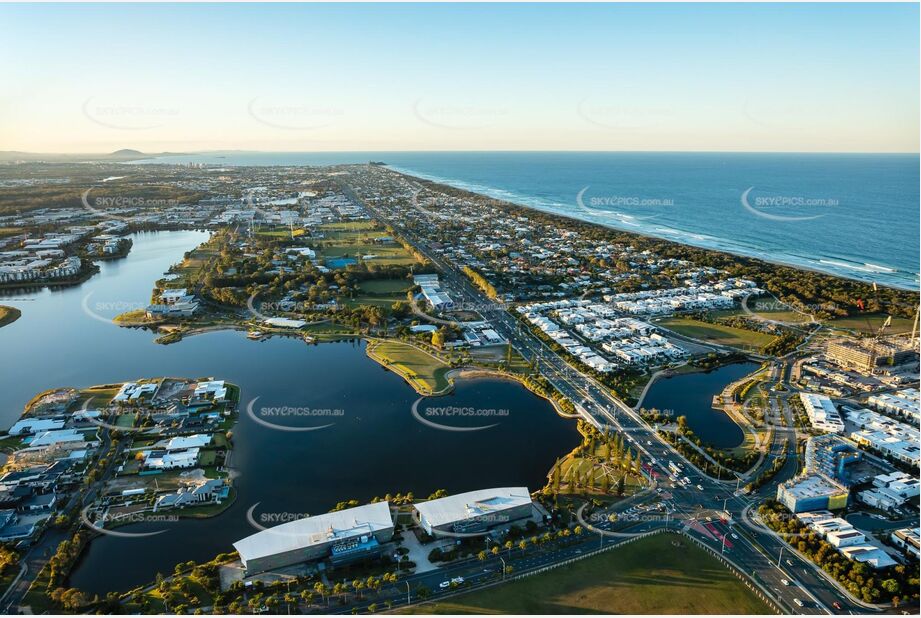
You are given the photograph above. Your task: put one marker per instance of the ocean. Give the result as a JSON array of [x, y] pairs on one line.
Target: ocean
[[852, 215]]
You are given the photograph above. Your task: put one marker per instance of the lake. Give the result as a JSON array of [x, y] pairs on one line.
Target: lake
[[376, 446], [691, 395]]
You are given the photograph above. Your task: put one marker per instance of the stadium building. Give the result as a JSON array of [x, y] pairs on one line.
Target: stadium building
[[475, 511], [341, 537]]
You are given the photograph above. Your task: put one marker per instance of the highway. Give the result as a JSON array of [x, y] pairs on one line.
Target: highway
[[757, 551]]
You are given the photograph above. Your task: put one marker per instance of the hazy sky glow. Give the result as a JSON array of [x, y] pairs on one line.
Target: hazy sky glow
[[809, 77]]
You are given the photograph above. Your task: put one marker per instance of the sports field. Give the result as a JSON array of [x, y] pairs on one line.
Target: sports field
[[651, 576]]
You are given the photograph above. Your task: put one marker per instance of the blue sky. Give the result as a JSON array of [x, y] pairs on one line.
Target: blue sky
[[729, 77]]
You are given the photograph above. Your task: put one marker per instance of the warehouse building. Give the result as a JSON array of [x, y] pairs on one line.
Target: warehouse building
[[341, 537], [475, 511], [812, 492]]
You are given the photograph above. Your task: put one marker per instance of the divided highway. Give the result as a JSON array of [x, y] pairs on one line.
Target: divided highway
[[756, 551]]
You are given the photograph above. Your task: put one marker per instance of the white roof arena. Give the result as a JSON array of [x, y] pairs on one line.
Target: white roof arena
[[303, 533], [471, 505]]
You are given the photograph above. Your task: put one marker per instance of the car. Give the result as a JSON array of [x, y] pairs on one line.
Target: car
[[789, 562], [836, 605], [735, 536], [444, 584], [457, 580], [798, 602], [709, 519], [700, 487], [648, 442], [785, 581]]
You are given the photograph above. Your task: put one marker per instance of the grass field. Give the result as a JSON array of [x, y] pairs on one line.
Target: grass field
[[871, 322], [280, 233], [422, 370], [717, 333], [778, 314], [356, 239], [386, 287], [192, 268], [651, 576], [380, 292], [8, 315]]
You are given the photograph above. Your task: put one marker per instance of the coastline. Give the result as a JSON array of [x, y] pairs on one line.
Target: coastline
[[491, 193]]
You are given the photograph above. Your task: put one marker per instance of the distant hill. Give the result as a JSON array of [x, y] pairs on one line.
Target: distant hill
[[125, 154]]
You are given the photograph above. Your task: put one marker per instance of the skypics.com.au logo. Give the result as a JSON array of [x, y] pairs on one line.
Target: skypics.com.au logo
[[785, 207], [445, 414], [273, 417]]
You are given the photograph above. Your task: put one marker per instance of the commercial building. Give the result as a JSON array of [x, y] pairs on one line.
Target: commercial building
[[848, 540], [340, 536], [822, 412], [832, 456], [33, 426], [285, 323], [812, 492], [176, 309], [867, 356], [432, 292], [475, 511]]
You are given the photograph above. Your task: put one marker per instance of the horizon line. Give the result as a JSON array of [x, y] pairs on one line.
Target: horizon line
[[510, 151]]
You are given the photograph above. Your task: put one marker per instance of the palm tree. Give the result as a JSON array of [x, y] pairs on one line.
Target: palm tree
[[358, 586]]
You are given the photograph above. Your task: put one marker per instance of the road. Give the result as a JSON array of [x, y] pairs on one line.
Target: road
[[756, 551]]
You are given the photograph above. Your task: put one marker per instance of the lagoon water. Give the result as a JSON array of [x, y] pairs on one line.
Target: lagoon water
[[66, 338], [691, 395], [862, 209]]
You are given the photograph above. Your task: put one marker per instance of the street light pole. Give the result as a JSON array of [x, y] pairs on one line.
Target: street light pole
[[779, 556], [408, 597]]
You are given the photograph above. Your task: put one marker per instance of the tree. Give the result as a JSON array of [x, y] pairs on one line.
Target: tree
[[682, 424]]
